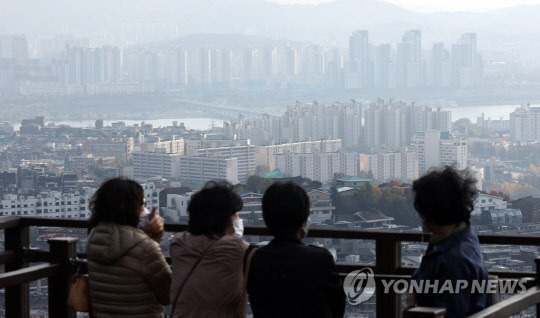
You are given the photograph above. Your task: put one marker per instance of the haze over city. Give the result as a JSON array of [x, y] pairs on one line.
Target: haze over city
[[353, 101]]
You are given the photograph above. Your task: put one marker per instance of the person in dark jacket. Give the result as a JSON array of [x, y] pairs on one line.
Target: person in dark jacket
[[444, 200], [286, 277]]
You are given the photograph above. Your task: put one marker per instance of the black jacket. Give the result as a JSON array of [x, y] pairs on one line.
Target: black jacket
[[290, 279]]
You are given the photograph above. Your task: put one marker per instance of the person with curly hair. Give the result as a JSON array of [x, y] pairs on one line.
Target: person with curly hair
[[444, 200]]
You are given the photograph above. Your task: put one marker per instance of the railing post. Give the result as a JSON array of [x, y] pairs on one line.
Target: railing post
[[17, 297], [61, 252], [388, 259], [537, 261]]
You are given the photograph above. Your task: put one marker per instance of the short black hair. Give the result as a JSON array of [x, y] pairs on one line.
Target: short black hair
[[285, 208], [117, 200], [445, 196], [210, 209]]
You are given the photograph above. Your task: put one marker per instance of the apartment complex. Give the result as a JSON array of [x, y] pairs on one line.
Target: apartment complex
[[525, 124], [384, 165], [198, 170], [317, 166], [436, 148], [266, 155], [244, 155], [154, 164]]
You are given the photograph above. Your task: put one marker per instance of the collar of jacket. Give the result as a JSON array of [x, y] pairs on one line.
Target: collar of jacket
[[282, 240], [454, 239]]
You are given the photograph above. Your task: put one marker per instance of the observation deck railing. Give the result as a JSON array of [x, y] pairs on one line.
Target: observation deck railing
[[57, 266]]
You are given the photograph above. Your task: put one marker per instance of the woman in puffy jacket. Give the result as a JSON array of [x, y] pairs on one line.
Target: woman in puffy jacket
[[128, 274], [207, 260]]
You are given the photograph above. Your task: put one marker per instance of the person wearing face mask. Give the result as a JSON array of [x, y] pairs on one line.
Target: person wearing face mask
[[444, 199], [128, 275], [288, 278], [208, 259]]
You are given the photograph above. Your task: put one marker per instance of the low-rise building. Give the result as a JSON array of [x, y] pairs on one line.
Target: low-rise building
[[530, 208], [321, 207]]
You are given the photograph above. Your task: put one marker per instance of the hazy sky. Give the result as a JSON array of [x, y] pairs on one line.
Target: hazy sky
[[440, 5]]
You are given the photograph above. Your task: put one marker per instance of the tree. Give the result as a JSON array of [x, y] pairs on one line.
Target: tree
[[253, 182], [262, 169], [240, 187]]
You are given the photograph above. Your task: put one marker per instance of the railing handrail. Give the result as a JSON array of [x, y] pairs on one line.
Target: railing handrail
[[28, 274], [315, 231], [512, 305]]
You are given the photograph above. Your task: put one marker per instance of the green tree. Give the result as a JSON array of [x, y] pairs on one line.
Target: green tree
[[253, 182], [262, 169]]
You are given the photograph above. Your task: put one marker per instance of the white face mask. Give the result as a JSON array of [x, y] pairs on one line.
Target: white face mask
[[144, 213], [306, 228], [238, 225], [143, 219]]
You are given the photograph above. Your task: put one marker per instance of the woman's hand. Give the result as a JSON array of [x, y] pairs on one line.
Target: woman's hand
[[155, 225]]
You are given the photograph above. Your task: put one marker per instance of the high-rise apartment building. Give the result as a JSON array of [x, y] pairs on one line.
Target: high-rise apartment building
[[385, 165], [440, 75], [466, 62], [525, 123], [358, 68], [265, 155], [204, 69], [245, 156], [436, 148], [317, 166], [198, 170], [156, 164], [409, 59], [393, 124]]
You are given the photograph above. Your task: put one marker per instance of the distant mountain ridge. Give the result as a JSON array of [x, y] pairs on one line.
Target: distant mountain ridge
[[329, 23]]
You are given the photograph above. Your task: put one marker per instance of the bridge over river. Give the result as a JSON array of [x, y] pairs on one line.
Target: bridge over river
[[217, 110]]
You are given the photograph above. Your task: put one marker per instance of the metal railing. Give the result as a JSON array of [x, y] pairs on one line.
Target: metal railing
[[387, 262]]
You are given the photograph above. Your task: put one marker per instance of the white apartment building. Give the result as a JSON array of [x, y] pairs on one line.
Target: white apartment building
[[192, 146], [493, 125], [171, 146], [56, 204], [488, 202], [317, 166], [265, 155], [151, 195], [393, 124], [525, 124], [389, 165], [198, 170], [436, 149], [176, 209], [49, 204], [453, 151], [156, 164], [244, 155]]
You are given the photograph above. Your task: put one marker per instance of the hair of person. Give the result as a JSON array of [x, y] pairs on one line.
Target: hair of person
[[285, 208], [445, 196], [210, 209], [117, 200]]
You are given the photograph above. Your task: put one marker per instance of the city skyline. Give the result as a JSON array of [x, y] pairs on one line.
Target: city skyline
[[426, 6]]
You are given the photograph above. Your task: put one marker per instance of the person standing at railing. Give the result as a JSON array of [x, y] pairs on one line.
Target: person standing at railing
[[444, 200], [288, 278], [128, 274], [207, 260]]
